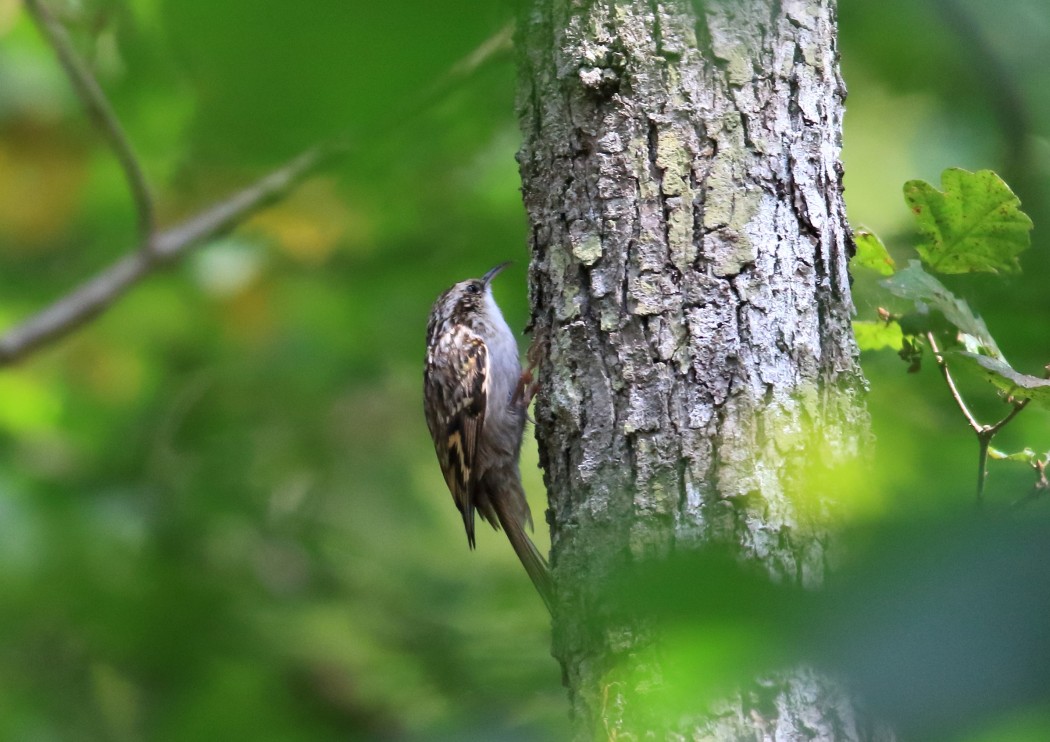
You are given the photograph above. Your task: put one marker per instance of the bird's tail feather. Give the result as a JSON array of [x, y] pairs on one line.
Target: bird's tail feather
[[535, 565]]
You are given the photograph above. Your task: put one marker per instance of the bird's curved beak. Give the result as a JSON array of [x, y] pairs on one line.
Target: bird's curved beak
[[487, 278]]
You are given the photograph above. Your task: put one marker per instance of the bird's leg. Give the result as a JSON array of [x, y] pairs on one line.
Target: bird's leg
[[528, 385]]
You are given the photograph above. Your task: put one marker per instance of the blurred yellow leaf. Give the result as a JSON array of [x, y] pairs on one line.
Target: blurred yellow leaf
[[8, 14], [40, 185], [249, 317], [309, 224], [110, 372]]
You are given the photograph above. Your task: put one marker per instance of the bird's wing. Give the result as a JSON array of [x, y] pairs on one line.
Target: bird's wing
[[456, 377]]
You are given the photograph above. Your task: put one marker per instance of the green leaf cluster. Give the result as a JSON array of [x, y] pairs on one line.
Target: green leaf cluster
[[974, 225]]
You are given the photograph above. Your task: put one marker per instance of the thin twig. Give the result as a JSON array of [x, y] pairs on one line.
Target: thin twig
[[985, 433], [499, 43], [943, 365], [230, 211], [1018, 406], [984, 441], [98, 107], [99, 292], [492, 48]]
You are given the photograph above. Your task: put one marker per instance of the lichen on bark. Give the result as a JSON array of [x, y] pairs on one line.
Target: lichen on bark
[[689, 246]]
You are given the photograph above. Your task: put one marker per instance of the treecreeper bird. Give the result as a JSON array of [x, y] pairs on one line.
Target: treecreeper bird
[[476, 415]]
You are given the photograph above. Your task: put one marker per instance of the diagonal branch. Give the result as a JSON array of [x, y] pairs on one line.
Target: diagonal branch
[[94, 100], [99, 292], [158, 248]]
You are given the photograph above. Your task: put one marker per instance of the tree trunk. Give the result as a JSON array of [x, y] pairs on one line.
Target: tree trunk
[[689, 252]]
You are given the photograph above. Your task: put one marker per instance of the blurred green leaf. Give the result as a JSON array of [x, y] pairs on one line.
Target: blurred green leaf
[[26, 404], [872, 254], [922, 320], [876, 335], [974, 224], [937, 635]]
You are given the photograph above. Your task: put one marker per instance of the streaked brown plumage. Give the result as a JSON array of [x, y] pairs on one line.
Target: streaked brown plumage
[[476, 420]]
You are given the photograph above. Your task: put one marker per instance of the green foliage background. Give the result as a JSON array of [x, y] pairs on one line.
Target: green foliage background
[[219, 510]]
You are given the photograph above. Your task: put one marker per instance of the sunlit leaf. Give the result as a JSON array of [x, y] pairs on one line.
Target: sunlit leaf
[[877, 335], [974, 224], [872, 254]]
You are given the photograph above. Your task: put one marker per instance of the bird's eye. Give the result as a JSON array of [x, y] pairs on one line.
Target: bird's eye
[[473, 288]]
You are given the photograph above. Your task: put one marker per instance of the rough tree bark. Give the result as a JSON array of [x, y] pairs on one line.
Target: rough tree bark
[[681, 174]]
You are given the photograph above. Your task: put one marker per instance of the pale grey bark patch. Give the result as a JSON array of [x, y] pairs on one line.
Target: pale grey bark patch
[[680, 169]]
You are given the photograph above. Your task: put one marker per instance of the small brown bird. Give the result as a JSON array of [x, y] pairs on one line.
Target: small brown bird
[[476, 418]]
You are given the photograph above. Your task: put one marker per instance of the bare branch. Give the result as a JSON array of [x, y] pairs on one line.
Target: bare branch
[[227, 213], [156, 249], [1018, 406], [98, 107], [99, 292], [984, 439]]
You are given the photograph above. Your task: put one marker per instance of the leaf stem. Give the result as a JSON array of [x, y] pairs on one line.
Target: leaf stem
[[943, 365]]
